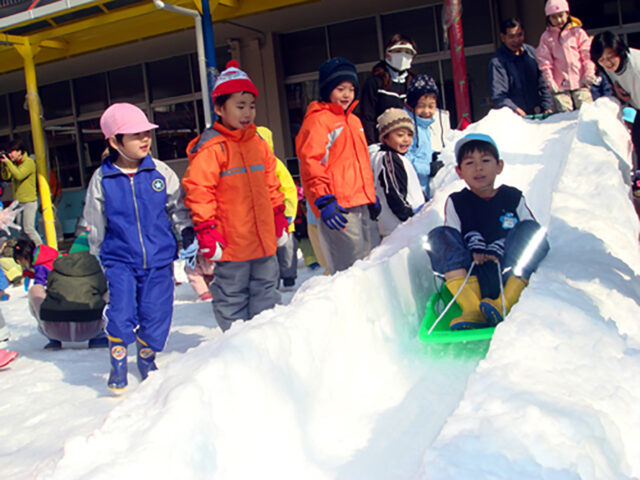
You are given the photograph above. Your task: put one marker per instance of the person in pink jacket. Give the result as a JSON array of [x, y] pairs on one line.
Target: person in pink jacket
[[564, 58]]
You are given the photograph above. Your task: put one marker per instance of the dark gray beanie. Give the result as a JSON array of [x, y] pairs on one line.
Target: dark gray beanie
[[333, 72]]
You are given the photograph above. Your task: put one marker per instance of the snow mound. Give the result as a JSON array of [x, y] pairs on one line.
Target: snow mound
[[336, 384]]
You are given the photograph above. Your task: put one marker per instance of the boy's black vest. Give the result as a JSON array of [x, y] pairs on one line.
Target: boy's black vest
[[493, 217]]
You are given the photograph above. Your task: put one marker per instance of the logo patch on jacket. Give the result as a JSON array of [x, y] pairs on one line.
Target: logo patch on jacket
[[158, 185], [508, 220]]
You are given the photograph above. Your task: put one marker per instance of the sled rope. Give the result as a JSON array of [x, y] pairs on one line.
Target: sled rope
[[466, 279], [504, 305]]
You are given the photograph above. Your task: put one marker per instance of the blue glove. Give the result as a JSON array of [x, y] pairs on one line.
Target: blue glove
[[332, 212], [190, 247], [190, 253], [374, 209]]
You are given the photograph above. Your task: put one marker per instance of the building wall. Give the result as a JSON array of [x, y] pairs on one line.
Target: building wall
[[281, 50]]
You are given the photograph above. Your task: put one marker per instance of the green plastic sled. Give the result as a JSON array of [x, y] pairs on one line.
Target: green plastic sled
[[538, 116], [441, 333]]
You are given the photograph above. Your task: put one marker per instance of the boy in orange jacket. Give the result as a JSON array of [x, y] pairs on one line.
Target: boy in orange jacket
[[235, 202], [335, 168]]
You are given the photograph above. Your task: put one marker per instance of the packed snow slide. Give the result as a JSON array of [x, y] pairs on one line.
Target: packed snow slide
[[337, 385]]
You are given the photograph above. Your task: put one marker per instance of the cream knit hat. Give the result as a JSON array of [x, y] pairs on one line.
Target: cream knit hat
[[392, 119]]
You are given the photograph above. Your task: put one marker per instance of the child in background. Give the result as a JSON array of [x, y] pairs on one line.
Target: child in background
[[564, 58], [4, 331], [11, 268], [237, 207], [314, 236], [302, 233], [397, 184], [335, 168], [6, 357], [288, 253], [432, 127], [132, 203], [37, 263], [75, 298], [4, 284], [486, 231], [200, 277]]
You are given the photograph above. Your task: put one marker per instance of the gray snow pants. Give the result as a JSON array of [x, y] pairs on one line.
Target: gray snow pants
[[241, 290], [288, 258], [28, 213], [341, 248]]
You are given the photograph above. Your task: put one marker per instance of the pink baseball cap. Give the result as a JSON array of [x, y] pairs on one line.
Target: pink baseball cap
[[556, 6], [124, 118]]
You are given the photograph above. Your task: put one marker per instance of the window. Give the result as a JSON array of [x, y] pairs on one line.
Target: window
[[177, 127], [630, 11], [126, 84], [200, 114], [169, 77], [478, 79], [63, 154], [4, 112], [597, 14], [19, 111], [93, 145], [91, 93], [56, 100], [476, 22], [299, 95], [417, 24], [303, 52], [365, 49], [633, 39]]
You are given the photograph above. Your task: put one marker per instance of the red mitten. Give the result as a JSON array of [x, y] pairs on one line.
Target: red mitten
[[27, 273], [210, 241], [282, 225]]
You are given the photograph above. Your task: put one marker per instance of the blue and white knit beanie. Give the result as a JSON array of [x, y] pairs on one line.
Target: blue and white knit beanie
[[419, 86]]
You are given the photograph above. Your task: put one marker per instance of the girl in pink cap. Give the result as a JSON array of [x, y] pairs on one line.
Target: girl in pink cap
[[133, 203], [564, 58]]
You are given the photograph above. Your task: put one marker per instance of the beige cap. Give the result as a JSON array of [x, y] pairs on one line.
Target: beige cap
[[392, 119]]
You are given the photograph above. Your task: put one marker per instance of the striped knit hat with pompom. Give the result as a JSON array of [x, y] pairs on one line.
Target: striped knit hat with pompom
[[392, 119], [233, 80]]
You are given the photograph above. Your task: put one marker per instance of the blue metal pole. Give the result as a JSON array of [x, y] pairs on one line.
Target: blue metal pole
[[209, 52]]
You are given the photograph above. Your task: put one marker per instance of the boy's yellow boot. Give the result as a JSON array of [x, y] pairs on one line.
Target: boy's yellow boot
[[492, 308], [469, 302]]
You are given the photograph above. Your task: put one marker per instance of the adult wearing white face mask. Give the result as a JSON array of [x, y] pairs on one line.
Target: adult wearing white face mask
[[387, 86]]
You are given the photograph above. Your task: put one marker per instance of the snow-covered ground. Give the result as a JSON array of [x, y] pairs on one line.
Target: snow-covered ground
[[335, 385]]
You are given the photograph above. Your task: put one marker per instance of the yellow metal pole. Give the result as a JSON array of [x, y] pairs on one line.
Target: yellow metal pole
[[28, 52]]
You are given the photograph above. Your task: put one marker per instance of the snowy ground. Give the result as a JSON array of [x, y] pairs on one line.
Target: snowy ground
[[335, 385]]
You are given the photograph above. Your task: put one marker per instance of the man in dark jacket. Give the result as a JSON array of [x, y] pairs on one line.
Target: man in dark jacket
[[514, 77]]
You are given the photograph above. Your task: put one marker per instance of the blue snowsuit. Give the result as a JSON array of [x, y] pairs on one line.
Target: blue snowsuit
[[420, 152], [130, 218]]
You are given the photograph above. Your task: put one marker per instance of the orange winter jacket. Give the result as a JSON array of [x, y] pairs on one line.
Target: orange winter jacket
[[231, 181], [333, 155]]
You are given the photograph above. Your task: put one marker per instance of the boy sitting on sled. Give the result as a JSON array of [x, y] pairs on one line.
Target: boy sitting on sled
[[489, 236]]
